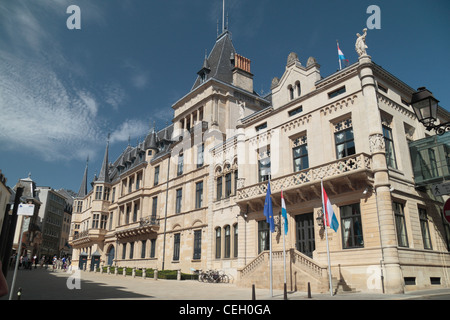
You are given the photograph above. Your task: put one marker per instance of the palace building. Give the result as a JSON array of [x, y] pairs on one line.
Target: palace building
[[191, 196]]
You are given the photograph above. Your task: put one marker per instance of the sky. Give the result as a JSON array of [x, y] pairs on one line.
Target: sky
[[63, 90]]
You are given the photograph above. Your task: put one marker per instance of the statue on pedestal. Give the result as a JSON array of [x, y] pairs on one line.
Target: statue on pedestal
[[360, 44]]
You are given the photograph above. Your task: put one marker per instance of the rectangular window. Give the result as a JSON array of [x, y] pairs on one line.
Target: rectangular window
[[180, 164], [235, 243], [400, 224], [111, 215], [124, 250], [219, 188], [95, 221], [198, 195], [135, 211], [98, 193], [154, 208], [389, 143], [176, 247], [300, 154], [295, 111], [261, 127], [143, 248], [227, 249], [130, 185], [152, 248], [103, 222], [113, 195], [156, 179], [263, 236], [131, 250], [106, 194], [228, 185], [345, 145], [138, 180], [178, 201], [218, 242], [236, 177], [352, 232], [264, 167], [425, 229], [197, 244], [200, 153], [336, 92]]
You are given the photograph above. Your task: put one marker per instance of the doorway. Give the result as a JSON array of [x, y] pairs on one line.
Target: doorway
[[305, 238]]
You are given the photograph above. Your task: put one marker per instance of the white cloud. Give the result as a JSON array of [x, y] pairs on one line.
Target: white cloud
[[130, 129], [40, 114]]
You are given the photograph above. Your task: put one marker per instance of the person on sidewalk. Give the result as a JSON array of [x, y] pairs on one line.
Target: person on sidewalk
[[3, 284]]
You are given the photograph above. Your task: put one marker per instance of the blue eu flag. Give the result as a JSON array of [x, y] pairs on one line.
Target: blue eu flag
[[268, 211]]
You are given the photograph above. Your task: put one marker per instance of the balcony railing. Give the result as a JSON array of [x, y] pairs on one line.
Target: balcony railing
[[345, 166]]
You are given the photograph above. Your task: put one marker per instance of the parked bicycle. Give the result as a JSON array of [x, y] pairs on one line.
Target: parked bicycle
[[213, 276]]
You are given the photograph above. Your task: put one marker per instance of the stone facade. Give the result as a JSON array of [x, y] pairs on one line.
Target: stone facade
[[191, 196]]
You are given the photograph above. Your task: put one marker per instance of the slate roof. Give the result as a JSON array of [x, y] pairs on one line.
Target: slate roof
[[220, 61]]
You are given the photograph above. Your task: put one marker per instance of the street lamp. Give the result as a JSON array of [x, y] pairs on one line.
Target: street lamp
[[425, 107]]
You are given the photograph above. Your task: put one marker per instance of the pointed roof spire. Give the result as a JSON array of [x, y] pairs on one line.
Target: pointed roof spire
[[104, 171], [83, 188]]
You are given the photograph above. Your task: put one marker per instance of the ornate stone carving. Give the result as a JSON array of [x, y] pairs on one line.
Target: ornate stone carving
[[376, 143], [292, 58], [360, 44]]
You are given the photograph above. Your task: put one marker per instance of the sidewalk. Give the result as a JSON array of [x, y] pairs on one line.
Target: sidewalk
[[42, 284]]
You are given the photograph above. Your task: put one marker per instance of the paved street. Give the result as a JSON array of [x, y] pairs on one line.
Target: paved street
[[41, 284]]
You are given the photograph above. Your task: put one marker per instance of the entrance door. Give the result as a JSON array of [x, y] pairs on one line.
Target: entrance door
[[111, 256], [305, 243]]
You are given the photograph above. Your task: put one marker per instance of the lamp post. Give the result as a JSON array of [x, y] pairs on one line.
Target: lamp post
[[425, 107]]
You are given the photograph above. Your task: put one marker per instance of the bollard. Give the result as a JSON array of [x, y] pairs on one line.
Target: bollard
[[179, 274], [19, 294], [133, 273], [124, 271], [253, 292], [309, 290], [155, 274], [116, 270], [285, 292], [144, 273]]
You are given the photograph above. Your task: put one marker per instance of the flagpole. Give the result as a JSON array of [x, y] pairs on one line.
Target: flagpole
[[340, 65], [283, 230], [326, 236], [270, 258], [284, 256]]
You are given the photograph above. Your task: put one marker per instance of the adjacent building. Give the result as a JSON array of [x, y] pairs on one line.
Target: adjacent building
[[191, 196]]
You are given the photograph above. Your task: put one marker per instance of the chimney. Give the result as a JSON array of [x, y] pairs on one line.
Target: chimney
[[242, 76]]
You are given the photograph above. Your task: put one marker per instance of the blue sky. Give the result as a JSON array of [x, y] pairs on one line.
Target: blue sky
[[62, 91]]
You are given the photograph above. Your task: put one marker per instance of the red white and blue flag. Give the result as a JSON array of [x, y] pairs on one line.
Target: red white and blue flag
[[329, 215], [341, 56]]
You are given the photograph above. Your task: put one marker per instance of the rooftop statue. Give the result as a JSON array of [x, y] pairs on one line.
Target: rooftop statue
[[360, 44]]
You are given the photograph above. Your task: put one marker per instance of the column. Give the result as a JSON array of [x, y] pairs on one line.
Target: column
[[393, 282]]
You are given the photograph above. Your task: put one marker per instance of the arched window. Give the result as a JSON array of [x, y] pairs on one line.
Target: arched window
[[298, 89], [227, 251], [291, 92], [235, 240], [218, 242]]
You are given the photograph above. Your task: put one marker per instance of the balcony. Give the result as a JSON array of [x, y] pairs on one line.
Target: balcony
[[430, 158], [342, 175], [88, 236], [143, 226]]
